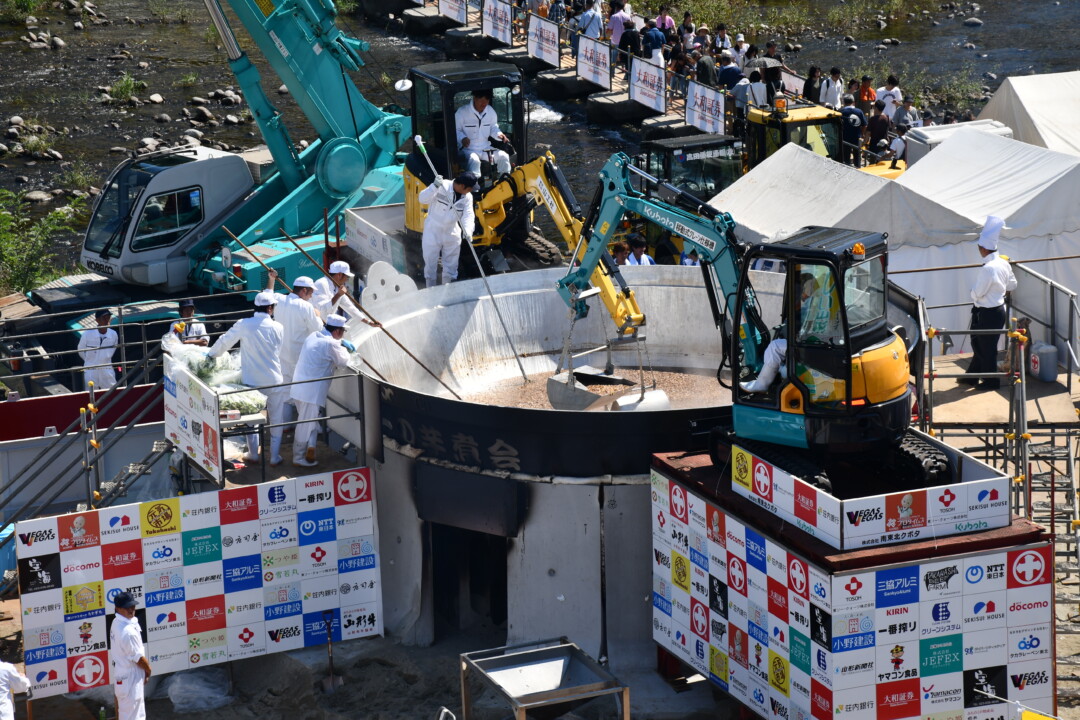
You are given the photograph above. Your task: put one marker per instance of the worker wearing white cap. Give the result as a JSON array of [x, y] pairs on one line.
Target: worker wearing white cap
[[97, 347], [449, 218], [260, 338], [323, 352], [329, 290], [995, 278], [298, 317]]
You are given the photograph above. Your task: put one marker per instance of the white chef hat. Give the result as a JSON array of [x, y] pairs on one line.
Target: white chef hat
[[988, 238]]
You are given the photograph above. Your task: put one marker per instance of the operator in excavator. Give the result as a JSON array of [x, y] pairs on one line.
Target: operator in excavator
[[450, 217], [477, 124], [777, 350]]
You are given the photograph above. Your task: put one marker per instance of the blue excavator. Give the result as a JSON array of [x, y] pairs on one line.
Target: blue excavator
[[841, 390]]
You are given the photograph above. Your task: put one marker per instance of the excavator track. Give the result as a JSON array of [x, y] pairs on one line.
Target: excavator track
[[912, 464], [541, 248]]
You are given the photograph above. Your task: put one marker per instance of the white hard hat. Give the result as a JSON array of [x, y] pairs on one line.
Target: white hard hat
[[337, 321], [302, 282], [340, 266], [266, 298]]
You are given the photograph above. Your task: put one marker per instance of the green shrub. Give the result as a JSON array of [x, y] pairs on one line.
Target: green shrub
[[28, 243]]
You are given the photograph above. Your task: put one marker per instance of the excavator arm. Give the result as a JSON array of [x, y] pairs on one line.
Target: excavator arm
[[541, 182], [704, 228]]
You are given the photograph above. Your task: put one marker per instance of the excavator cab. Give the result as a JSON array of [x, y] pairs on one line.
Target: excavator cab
[[836, 374], [814, 127], [702, 165], [438, 90]]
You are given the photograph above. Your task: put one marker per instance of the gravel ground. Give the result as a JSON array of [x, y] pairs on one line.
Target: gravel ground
[[684, 389]]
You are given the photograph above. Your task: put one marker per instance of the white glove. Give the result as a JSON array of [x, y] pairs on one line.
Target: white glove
[[438, 180]]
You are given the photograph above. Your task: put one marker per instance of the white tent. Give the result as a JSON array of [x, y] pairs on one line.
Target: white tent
[[933, 213], [1042, 110]]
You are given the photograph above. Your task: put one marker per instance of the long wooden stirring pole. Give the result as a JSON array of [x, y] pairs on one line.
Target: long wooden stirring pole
[[377, 323]]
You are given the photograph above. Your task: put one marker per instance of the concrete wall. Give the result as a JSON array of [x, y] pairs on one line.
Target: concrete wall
[[406, 591], [553, 573], [627, 547]]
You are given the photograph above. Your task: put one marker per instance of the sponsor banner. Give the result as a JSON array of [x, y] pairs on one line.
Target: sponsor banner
[[594, 65], [705, 108], [217, 576], [543, 41], [456, 10], [191, 418], [496, 21], [897, 641], [648, 85]]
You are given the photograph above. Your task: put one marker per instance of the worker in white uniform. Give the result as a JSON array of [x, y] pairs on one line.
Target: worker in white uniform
[[11, 681], [131, 669], [260, 338], [323, 352], [97, 347], [449, 218], [995, 278], [477, 123], [330, 290], [298, 317]]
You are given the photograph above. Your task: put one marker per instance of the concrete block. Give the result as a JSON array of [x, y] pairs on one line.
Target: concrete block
[[627, 573], [466, 42], [612, 108], [426, 21], [518, 56], [561, 85], [663, 127]]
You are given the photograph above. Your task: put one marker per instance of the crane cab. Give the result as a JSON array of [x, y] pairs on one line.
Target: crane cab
[[438, 90], [819, 299]]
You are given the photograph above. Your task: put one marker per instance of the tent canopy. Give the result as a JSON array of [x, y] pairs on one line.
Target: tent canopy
[[795, 188], [976, 174], [1042, 110]]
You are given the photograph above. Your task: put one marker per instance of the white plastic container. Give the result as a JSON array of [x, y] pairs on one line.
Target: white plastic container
[[1043, 362]]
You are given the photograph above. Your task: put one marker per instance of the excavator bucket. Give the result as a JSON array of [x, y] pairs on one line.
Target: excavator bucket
[[566, 393]]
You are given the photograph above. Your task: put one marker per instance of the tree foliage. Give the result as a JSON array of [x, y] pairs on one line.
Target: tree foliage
[[28, 243]]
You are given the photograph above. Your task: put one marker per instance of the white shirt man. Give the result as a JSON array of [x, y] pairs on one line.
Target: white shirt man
[[97, 347], [260, 338], [11, 681], [323, 352], [476, 124], [298, 319], [832, 89], [757, 95], [131, 669], [637, 254], [330, 290], [995, 277], [449, 218], [893, 97]]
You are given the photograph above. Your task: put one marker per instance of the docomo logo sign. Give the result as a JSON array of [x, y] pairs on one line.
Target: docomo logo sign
[[83, 566], [1020, 606]]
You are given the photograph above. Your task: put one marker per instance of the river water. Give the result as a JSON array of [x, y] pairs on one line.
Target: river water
[[58, 88]]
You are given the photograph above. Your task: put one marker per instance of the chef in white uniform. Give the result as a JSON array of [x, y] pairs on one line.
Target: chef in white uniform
[[450, 215], [323, 352], [260, 338], [131, 669], [298, 318], [477, 122], [97, 347], [330, 290]]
